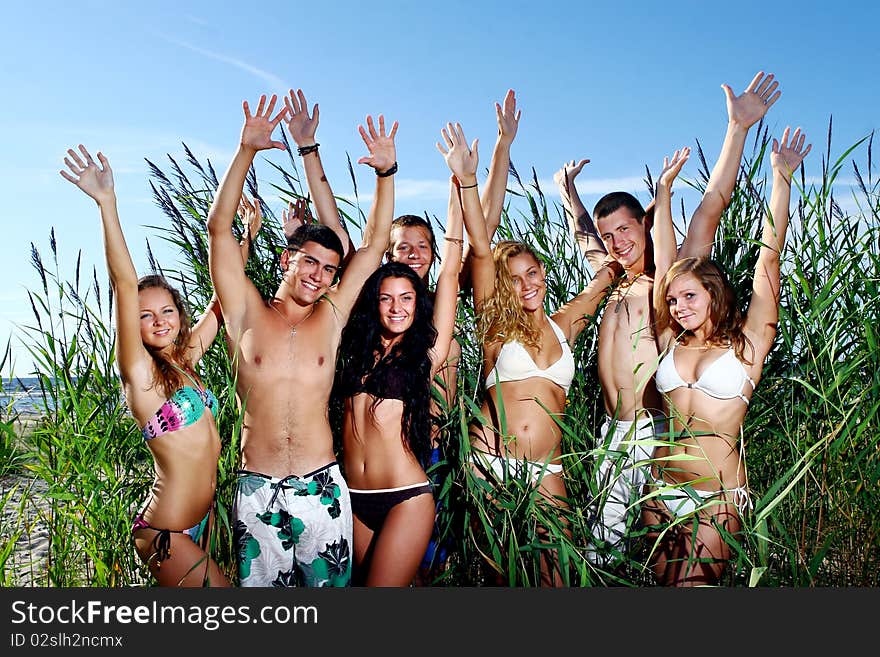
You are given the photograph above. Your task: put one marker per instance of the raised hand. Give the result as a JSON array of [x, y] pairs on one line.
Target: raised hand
[[671, 168], [461, 159], [383, 153], [294, 216], [564, 178], [750, 107], [300, 125], [257, 130], [508, 117], [251, 215], [786, 157], [95, 181]]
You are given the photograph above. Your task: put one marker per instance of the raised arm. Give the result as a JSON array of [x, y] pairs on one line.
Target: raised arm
[[97, 182], [206, 328], [763, 313], [302, 129], [664, 234], [492, 199], [224, 256], [579, 220], [446, 297], [377, 231], [462, 161], [743, 112], [573, 316]]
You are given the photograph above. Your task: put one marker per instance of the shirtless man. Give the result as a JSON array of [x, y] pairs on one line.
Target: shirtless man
[[412, 242], [628, 354], [293, 523]]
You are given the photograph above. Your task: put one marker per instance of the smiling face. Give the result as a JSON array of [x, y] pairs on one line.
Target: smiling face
[[689, 303], [528, 279], [309, 271], [411, 245], [397, 306], [160, 318], [624, 238]]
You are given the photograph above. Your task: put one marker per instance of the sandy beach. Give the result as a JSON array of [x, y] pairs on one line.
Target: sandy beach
[[22, 518], [23, 508]]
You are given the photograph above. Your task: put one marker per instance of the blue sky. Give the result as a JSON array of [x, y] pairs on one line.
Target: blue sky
[[622, 84]]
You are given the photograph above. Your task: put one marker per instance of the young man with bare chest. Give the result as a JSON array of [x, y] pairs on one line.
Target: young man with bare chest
[[628, 354], [293, 523]]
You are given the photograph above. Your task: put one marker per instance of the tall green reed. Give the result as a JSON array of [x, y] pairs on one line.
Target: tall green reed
[[810, 434]]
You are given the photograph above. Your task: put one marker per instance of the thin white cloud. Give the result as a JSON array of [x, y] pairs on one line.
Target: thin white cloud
[[194, 19], [271, 79]]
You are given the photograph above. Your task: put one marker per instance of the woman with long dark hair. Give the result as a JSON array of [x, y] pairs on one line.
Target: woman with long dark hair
[[157, 351], [712, 357], [393, 344]]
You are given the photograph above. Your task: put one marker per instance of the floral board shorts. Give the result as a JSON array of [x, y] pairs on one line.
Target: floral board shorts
[[293, 531]]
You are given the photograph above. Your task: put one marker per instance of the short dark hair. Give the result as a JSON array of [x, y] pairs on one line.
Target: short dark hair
[[614, 201], [317, 233]]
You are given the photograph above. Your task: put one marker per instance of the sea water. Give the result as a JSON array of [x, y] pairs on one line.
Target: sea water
[[22, 396]]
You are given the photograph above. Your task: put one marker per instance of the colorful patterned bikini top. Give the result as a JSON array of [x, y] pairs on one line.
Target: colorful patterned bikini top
[[182, 409]]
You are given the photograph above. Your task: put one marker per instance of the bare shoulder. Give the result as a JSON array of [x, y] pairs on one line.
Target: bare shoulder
[[328, 309]]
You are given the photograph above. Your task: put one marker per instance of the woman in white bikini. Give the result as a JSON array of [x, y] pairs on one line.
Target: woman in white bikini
[[526, 352], [712, 358]]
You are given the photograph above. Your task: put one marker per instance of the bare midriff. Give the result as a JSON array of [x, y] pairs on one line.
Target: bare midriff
[[712, 446], [628, 354], [186, 475], [530, 432], [374, 452]]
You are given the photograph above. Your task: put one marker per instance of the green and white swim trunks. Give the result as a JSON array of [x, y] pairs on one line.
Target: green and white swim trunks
[[293, 531]]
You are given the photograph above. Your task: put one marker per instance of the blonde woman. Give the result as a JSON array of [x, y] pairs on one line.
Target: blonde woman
[[527, 353]]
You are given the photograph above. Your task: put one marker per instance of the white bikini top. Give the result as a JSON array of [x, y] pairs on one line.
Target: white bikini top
[[515, 364], [724, 378]]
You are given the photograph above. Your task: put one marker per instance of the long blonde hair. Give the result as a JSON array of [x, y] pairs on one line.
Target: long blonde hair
[[503, 318]]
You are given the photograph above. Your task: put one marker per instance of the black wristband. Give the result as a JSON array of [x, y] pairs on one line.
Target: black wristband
[[390, 172], [305, 150]]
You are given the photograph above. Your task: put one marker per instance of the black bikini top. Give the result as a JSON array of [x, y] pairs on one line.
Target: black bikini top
[[385, 381]]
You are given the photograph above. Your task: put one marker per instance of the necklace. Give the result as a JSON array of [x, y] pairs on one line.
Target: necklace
[[623, 290], [628, 282], [287, 321]]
